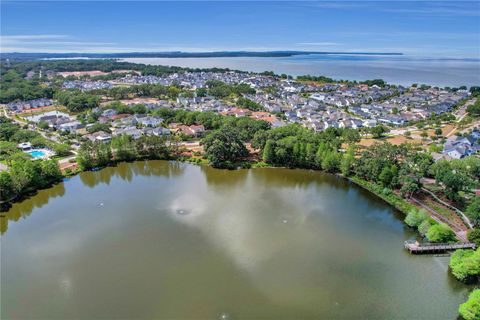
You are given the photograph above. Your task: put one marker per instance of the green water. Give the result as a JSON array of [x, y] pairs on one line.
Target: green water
[[167, 240]]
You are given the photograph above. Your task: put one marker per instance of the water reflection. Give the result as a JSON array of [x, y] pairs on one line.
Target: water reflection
[[179, 241], [24, 208], [126, 171], [219, 179], [123, 171]]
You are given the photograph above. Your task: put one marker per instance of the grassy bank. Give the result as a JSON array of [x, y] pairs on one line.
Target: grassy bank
[[386, 194]]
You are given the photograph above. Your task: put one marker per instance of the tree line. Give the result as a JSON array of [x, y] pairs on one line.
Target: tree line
[[390, 170], [25, 176], [121, 148]]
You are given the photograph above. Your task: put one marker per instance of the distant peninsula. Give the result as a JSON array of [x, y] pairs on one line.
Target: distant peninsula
[[181, 54]]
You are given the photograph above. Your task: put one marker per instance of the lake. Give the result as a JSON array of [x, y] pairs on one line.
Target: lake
[[170, 240], [403, 70]]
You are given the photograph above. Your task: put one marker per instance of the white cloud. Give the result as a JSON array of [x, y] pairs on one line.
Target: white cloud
[[56, 43], [27, 37], [48, 43], [419, 8]]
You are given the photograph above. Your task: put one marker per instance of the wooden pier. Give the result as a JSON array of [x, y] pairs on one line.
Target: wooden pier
[[430, 248]]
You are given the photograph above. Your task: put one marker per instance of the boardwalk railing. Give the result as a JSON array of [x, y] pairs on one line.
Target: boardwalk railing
[[416, 247]]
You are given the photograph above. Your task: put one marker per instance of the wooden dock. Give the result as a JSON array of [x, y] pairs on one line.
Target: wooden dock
[[430, 248]]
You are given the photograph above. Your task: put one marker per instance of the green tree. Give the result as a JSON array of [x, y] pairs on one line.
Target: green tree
[[7, 148], [378, 131], [123, 148], [351, 136], [474, 109], [50, 171], [201, 92], [7, 129], [465, 264], [409, 186], [440, 233], [331, 161], [415, 217], [61, 149], [268, 151], [455, 182], [224, 147], [425, 225], [43, 125], [473, 211], [347, 162], [387, 176], [473, 235], [470, 310], [6, 186]]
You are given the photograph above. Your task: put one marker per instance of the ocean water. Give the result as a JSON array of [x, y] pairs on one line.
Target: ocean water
[[403, 70]]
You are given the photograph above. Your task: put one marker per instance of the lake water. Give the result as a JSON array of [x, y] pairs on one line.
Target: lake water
[[169, 240], [403, 70]]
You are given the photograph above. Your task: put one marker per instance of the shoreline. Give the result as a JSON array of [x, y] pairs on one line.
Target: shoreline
[[6, 205]]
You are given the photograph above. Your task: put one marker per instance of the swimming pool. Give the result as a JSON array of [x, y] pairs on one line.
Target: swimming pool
[[36, 153]]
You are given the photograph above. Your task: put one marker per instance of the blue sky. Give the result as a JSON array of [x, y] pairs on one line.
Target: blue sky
[[442, 28]]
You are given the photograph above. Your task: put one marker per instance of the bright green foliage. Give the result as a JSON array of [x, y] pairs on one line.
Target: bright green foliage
[[24, 176], [465, 264], [294, 146], [474, 236], [77, 101], [121, 148], [440, 233], [14, 87], [7, 148], [457, 175], [425, 225], [470, 310], [331, 161], [473, 211], [268, 152], [347, 162], [415, 217], [220, 89]]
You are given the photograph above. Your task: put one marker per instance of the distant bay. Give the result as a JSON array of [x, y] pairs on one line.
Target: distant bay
[[403, 70]]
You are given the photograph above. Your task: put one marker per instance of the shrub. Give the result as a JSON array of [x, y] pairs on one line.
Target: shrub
[[474, 236], [470, 310], [415, 217], [465, 264], [473, 211], [425, 225], [440, 233]]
